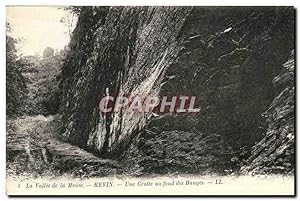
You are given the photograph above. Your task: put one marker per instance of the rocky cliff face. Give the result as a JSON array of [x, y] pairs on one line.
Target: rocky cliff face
[[131, 50], [229, 60], [227, 56], [275, 152]]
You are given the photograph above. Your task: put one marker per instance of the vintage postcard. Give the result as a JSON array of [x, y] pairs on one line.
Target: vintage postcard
[[150, 100]]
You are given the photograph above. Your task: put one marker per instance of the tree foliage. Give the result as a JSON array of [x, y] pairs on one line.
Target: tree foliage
[[48, 52], [16, 89], [42, 80]]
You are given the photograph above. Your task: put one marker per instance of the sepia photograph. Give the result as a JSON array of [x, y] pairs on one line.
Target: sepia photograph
[[150, 100]]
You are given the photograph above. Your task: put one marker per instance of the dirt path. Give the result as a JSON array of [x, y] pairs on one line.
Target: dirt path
[[32, 148]]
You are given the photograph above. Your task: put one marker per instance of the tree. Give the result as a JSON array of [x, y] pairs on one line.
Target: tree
[[70, 19], [16, 88], [48, 52]]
